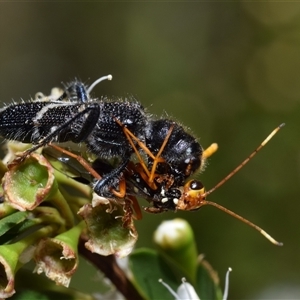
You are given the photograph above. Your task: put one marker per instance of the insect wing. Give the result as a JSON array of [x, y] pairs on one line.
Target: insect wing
[[32, 121]]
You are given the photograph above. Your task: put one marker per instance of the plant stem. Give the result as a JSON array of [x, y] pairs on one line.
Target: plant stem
[[109, 266]]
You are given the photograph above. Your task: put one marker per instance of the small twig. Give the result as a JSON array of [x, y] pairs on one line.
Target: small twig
[[109, 266]]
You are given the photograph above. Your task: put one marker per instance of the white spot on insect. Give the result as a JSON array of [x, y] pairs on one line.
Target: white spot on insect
[[175, 201], [164, 200], [36, 134], [189, 150], [82, 108], [53, 128], [138, 180], [187, 161], [162, 192], [136, 190], [145, 190]]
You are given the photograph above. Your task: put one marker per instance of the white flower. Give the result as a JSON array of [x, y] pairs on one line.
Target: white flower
[[187, 292]]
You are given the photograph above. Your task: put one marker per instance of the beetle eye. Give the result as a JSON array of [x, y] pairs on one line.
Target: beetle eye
[[196, 185]]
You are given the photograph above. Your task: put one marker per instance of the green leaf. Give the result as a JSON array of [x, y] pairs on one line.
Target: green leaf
[[32, 295], [207, 285], [11, 221], [31, 286], [148, 267], [16, 230]]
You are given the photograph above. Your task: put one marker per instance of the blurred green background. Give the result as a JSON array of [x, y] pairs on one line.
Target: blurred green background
[[229, 71]]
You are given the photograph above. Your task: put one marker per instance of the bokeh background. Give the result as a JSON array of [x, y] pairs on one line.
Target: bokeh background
[[229, 71]]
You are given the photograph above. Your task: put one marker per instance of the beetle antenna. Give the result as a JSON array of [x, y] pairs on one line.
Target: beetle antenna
[[233, 214], [245, 161], [108, 77]]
